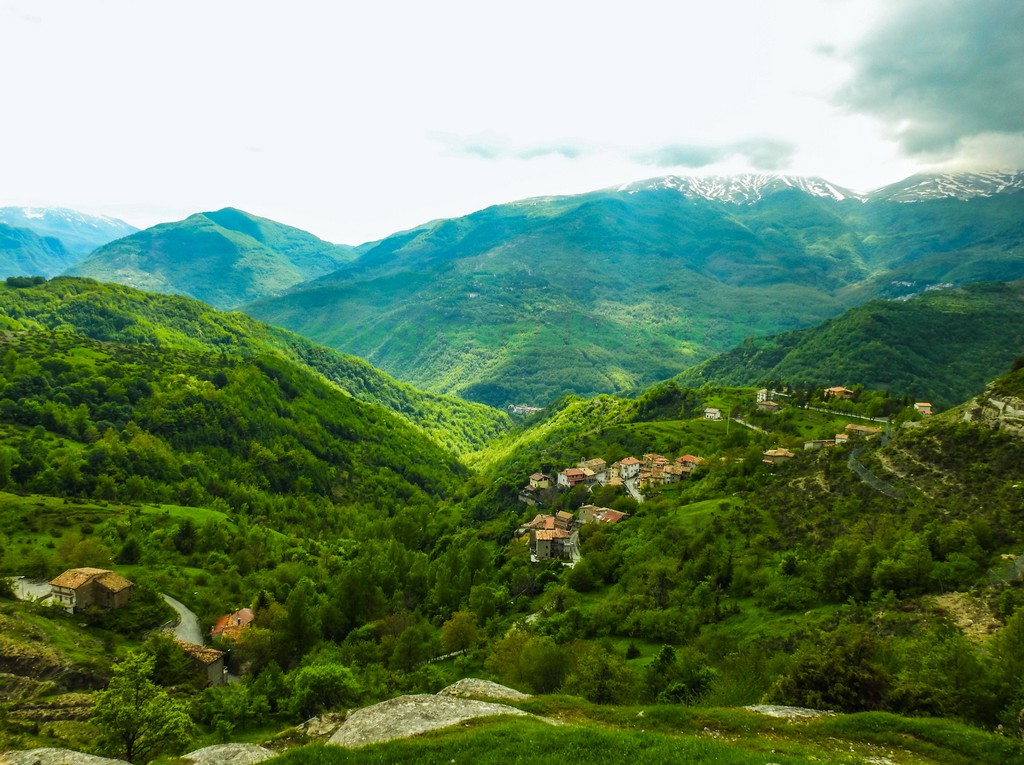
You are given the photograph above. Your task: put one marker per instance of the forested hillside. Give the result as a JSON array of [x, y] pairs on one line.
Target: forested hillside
[[224, 258], [611, 291], [375, 564], [124, 315], [24, 252], [942, 346]]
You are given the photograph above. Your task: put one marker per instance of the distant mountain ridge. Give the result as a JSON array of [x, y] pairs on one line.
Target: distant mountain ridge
[[750, 188], [610, 291], [78, 232], [224, 258], [961, 186], [742, 189]]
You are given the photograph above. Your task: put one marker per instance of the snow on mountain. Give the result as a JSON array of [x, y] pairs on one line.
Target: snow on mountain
[[61, 215], [741, 189], [962, 186], [80, 233]]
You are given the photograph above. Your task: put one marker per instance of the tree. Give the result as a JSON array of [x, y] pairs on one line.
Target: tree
[[600, 676], [139, 719], [459, 633]]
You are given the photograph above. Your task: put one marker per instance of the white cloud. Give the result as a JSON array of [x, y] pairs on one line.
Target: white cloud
[[355, 120]]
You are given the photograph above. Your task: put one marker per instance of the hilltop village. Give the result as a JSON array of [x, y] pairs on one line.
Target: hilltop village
[[555, 536]]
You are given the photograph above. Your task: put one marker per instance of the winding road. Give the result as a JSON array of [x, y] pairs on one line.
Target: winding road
[[187, 628]]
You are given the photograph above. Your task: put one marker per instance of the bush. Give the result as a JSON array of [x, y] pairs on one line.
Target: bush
[[322, 687]]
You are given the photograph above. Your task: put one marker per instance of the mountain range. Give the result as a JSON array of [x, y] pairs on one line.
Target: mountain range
[[45, 241], [605, 292], [612, 290]]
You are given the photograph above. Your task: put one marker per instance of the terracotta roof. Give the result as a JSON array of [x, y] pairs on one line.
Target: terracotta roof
[[612, 516], [74, 578], [548, 534], [616, 481], [199, 652], [538, 477], [564, 515], [230, 625], [573, 472], [113, 582], [862, 429], [630, 461]]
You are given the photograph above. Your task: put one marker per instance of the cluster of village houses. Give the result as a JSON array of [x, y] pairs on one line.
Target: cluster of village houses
[[78, 589], [634, 474], [556, 536]]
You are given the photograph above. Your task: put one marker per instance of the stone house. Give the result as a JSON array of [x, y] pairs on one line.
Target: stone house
[[564, 520], [209, 661], [778, 456], [711, 413], [79, 588], [548, 544], [861, 431], [597, 466]]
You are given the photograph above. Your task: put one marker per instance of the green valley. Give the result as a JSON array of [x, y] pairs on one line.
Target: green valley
[[611, 291]]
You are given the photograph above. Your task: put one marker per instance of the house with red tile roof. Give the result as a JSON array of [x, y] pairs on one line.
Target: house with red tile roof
[[230, 626], [571, 477], [629, 468]]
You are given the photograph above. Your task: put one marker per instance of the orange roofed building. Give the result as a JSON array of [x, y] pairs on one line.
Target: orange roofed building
[[230, 626], [79, 588]]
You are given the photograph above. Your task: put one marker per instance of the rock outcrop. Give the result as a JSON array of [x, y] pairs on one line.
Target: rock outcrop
[[54, 757], [409, 715], [1005, 413], [229, 754], [471, 688]]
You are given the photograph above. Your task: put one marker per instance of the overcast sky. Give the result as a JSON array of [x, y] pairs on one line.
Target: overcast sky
[[355, 120]]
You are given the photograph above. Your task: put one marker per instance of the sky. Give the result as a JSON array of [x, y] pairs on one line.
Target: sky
[[356, 120]]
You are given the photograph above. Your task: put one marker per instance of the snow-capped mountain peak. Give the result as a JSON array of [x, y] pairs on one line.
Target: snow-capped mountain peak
[[741, 189], [918, 188]]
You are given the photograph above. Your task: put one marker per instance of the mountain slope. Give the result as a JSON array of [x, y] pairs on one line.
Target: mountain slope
[[121, 314], [159, 424], [224, 258], [25, 253], [610, 291], [942, 346], [79, 233]]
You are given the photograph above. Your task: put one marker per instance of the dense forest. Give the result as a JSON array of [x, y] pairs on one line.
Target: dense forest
[[378, 562]]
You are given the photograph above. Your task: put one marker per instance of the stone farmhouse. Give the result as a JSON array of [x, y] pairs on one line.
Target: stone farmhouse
[[208, 661], [79, 588]]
